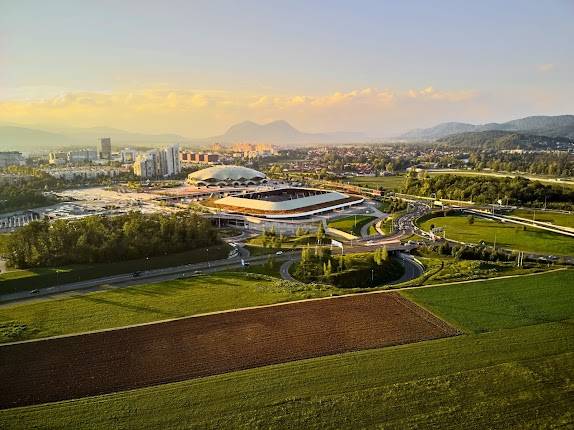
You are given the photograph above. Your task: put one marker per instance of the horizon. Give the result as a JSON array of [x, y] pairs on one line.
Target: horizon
[[195, 70], [105, 129]]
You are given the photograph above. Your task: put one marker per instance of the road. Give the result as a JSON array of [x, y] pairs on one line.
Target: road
[[188, 270], [284, 270], [413, 269], [157, 275]]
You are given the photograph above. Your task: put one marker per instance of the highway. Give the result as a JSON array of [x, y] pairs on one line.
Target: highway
[[404, 227], [157, 275]]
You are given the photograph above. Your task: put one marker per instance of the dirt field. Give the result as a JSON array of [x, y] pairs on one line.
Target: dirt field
[[85, 365]]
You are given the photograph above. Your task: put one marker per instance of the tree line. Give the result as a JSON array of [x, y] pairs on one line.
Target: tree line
[[104, 239], [485, 190]]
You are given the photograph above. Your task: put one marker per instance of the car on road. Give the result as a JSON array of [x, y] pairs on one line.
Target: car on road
[[35, 292], [279, 253], [197, 272], [136, 274]]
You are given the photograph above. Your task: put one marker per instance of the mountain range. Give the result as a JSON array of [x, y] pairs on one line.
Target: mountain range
[[19, 138], [281, 132], [551, 126]]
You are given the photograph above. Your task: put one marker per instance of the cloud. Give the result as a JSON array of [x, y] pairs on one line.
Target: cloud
[[432, 94], [546, 67], [202, 113]]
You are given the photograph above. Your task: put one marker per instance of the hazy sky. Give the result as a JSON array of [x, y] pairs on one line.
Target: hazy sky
[[196, 67]]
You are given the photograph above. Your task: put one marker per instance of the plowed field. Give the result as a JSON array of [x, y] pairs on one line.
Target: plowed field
[[104, 362]]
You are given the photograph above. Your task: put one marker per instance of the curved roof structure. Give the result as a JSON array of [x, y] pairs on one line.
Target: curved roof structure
[[226, 174], [286, 202]]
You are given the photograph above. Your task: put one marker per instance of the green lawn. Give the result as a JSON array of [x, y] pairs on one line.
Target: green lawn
[[508, 236], [518, 378], [517, 375], [265, 269], [441, 269], [29, 279], [503, 303], [3, 239], [557, 218], [132, 305], [393, 183], [351, 224]]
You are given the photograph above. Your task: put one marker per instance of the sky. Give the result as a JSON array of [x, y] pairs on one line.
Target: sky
[[197, 67]]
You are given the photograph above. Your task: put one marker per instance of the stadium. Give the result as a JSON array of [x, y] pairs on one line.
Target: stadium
[[286, 203], [226, 176]]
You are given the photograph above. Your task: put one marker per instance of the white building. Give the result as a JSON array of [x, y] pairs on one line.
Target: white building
[[82, 156], [158, 163], [85, 172], [12, 158]]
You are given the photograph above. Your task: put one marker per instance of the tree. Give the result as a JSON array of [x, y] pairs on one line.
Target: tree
[[320, 235], [385, 254]]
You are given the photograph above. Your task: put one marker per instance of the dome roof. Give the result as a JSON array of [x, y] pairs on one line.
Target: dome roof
[[226, 173]]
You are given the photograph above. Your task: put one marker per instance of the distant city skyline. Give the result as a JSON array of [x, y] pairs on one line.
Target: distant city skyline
[[196, 68]]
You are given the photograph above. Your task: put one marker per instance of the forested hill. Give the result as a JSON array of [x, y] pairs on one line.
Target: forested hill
[[496, 139]]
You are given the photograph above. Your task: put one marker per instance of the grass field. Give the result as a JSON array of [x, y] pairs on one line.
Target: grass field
[[507, 235], [393, 183], [441, 269], [557, 218], [144, 303], [22, 280], [3, 238], [502, 303], [351, 224], [518, 375], [517, 378]]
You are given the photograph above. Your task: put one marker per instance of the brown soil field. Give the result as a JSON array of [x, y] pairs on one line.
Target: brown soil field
[[103, 362]]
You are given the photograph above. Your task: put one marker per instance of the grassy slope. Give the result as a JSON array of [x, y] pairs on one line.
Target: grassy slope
[[18, 280], [348, 225], [556, 218], [517, 378], [394, 183], [143, 303], [507, 235], [503, 303], [441, 269], [512, 377]]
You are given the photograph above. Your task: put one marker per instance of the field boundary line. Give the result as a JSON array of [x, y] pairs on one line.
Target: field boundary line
[[294, 302]]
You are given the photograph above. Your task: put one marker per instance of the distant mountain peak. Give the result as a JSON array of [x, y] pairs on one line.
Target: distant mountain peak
[[544, 125]]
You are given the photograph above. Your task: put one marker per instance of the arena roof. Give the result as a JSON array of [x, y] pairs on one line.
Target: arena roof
[[226, 174], [286, 202]]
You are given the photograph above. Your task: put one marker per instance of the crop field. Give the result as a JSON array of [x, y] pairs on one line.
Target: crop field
[[351, 224], [507, 236], [556, 218], [501, 303], [144, 303], [517, 378], [506, 378], [140, 356], [29, 279], [393, 183]]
